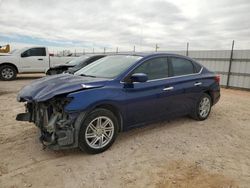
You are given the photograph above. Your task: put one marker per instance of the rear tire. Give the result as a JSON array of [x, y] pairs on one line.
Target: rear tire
[[202, 108], [7, 72], [98, 131]]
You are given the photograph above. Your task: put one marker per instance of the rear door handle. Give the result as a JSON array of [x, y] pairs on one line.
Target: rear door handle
[[197, 83], [168, 88], [40, 59]]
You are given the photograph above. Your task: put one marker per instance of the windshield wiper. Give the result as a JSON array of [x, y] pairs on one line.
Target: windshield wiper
[[88, 75]]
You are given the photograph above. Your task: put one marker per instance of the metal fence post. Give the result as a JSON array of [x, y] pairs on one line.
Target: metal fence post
[[156, 47], [230, 65], [187, 49]]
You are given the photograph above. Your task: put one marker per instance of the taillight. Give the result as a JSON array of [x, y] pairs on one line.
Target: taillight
[[217, 79]]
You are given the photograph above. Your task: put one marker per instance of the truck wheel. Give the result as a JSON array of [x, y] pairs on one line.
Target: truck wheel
[[7, 72], [98, 131]]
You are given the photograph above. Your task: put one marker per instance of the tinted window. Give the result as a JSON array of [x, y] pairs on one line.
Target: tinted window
[[197, 67], [35, 52], [155, 68], [92, 59], [78, 60], [181, 66]]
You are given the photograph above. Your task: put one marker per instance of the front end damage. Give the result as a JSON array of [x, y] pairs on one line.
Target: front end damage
[[46, 100], [56, 126]]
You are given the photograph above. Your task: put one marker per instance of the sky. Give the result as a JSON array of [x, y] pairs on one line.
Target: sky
[[82, 25]]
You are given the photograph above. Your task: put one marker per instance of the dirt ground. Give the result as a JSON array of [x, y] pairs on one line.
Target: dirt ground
[[178, 153]]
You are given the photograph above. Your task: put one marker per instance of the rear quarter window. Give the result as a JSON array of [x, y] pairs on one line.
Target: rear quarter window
[[197, 67]]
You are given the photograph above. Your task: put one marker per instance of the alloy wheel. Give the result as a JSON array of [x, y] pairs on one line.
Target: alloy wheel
[[204, 107], [7, 73], [99, 132]]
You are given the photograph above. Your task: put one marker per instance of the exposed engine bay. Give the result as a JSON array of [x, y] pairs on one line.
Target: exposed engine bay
[[56, 126]]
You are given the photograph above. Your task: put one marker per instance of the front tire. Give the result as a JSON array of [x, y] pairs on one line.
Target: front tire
[[98, 131], [7, 72], [202, 108]]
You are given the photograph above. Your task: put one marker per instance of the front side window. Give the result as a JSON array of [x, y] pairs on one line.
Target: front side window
[[109, 66], [156, 68], [181, 66], [34, 52]]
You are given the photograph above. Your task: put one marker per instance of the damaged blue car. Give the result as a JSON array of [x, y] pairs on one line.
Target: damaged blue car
[[114, 94]]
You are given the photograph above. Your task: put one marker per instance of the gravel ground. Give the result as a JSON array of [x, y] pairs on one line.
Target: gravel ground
[[178, 153]]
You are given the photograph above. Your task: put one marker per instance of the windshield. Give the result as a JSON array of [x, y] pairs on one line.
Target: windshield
[[108, 67], [78, 60]]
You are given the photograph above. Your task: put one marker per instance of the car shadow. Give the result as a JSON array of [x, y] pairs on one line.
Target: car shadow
[[123, 137], [28, 76]]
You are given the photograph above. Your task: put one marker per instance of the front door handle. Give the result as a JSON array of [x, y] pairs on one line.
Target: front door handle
[[168, 88], [40, 59], [197, 83]]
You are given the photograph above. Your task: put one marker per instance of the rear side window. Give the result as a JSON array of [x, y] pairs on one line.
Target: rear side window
[[35, 52], [155, 68], [181, 66]]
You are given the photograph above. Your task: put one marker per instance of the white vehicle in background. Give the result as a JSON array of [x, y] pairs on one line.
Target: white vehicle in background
[[28, 60]]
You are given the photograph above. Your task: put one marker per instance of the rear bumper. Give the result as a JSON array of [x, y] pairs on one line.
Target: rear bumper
[[216, 95]]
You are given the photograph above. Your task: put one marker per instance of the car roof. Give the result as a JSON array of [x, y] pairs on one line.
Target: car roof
[[151, 54], [142, 54]]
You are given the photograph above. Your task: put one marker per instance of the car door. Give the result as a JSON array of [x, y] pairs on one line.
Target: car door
[[185, 83], [34, 60], [143, 98]]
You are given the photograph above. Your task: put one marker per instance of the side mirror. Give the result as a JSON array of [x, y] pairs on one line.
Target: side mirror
[[139, 77], [24, 54]]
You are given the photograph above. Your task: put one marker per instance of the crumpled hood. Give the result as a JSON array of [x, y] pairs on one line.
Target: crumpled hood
[[62, 66], [50, 86]]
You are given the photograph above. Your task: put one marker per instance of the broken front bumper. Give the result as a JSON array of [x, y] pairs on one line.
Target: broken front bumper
[[56, 126]]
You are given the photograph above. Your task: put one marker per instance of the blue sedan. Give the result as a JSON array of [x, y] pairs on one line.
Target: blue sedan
[[114, 94]]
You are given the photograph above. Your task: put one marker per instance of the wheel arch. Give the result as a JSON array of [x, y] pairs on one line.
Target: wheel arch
[[10, 64], [114, 110], [208, 92]]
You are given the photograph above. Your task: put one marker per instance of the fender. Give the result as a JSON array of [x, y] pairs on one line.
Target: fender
[[10, 64], [87, 99]]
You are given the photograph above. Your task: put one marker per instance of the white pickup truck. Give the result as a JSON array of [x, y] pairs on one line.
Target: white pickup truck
[[27, 60]]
